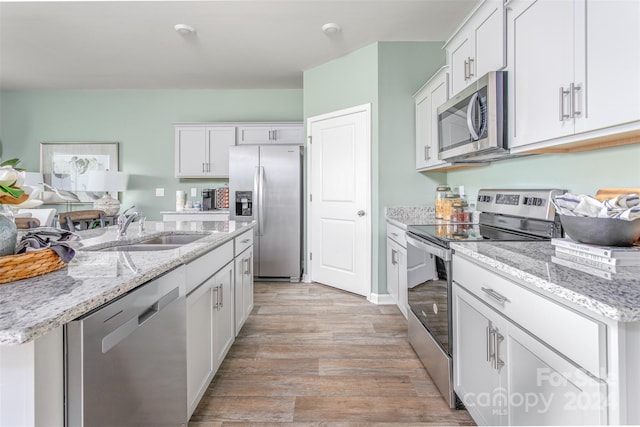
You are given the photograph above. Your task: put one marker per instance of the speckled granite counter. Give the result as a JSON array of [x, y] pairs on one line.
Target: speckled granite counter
[[32, 307], [415, 215], [530, 263]]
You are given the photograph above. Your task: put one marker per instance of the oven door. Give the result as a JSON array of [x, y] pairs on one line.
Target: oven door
[[429, 287]]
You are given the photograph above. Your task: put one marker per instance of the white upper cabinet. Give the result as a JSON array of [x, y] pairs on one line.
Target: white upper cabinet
[[433, 94], [478, 46], [203, 151], [285, 133], [573, 67]]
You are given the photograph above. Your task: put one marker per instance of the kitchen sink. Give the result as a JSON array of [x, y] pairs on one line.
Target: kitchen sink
[[171, 239], [157, 243], [139, 247]]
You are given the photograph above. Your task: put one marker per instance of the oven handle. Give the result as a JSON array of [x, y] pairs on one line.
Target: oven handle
[[430, 249]]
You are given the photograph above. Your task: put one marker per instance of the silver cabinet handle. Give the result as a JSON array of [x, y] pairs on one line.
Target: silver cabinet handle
[[247, 261], [466, 70], [217, 300], [202, 167], [394, 259], [497, 339], [495, 295], [245, 241], [562, 93], [426, 152], [489, 333], [573, 89], [221, 295], [394, 234], [471, 73], [360, 213]]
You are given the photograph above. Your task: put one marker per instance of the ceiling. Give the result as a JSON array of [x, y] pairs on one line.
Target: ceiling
[[239, 44]]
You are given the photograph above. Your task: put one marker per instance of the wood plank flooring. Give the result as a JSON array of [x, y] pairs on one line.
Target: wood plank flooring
[[313, 355]]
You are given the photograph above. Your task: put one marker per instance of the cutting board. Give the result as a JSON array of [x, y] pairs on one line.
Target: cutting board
[[608, 193]]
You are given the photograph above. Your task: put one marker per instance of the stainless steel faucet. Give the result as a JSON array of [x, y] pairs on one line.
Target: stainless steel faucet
[[123, 221]]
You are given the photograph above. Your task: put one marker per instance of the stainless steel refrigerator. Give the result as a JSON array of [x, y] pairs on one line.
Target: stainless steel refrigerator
[[265, 184]]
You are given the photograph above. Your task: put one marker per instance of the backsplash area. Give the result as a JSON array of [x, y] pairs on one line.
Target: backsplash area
[[581, 173]]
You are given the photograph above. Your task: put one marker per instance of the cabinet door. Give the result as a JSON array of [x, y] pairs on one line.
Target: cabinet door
[[223, 316], [392, 269], [541, 46], [219, 139], [247, 283], [200, 367], [489, 40], [430, 97], [609, 73], [288, 134], [477, 381], [402, 281], [544, 388], [459, 55], [190, 151], [243, 287], [254, 135]]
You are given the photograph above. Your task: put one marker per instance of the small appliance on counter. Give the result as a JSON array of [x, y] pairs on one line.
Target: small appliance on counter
[[215, 198]]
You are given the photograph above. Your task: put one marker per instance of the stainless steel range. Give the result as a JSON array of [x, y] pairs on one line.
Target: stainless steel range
[[507, 215]]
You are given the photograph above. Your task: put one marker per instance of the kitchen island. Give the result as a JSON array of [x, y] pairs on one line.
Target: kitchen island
[[33, 311], [567, 337]]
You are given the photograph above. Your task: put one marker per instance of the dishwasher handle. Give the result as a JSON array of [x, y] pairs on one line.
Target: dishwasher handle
[[119, 334]]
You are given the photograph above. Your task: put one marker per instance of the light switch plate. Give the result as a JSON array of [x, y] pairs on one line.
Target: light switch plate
[[194, 192], [159, 192]]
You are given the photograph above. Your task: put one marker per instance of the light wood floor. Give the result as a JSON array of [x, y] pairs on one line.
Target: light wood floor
[[311, 354]]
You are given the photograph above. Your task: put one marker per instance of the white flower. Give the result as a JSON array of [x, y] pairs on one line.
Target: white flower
[[11, 177]]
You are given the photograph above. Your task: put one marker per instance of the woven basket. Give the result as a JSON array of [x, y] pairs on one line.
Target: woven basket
[[30, 264]]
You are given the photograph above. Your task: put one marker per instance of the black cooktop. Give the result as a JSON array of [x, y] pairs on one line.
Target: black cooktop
[[466, 232]]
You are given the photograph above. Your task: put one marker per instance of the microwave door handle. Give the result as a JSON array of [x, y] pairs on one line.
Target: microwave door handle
[[471, 109]]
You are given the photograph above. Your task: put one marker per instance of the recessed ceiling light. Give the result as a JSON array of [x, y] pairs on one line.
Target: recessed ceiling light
[[184, 29], [331, 28]]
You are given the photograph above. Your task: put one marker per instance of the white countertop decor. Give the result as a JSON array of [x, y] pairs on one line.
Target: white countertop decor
[[32, 307]]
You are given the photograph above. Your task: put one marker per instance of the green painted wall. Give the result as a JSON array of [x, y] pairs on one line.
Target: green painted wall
[[141, 121], [385, 74], [581, 173]]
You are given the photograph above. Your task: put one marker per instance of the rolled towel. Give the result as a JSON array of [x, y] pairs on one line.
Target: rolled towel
[[49, 238], [624, 206]]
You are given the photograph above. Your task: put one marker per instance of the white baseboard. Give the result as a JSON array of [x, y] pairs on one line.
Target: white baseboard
[[381, 299], [305, 278]]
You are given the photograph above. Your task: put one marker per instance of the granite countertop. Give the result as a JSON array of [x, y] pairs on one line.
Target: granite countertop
[[30, 308], [413, 215], [616, 296]]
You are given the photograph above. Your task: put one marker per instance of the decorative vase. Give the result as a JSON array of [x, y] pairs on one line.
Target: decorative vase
[[8, 235]]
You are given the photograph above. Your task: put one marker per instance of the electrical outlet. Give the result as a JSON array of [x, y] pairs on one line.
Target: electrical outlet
[[194, 192], [159, 192]]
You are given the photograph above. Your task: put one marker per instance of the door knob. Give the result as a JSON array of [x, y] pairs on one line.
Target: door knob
[[360, 213]]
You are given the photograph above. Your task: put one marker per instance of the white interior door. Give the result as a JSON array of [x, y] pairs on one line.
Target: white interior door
[[339, 228]]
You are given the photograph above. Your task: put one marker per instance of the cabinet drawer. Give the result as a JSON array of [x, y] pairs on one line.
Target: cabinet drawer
[[200, 269], [577, 337], [397, 234], [243, 241]]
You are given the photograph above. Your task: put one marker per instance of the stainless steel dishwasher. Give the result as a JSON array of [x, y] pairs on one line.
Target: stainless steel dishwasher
[[126, 361]]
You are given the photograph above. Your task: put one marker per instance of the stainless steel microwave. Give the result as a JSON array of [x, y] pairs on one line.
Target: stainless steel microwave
[[472, 125]]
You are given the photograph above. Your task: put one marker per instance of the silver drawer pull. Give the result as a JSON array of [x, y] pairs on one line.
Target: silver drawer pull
[[245, 241], [493, 294], [394, 234]]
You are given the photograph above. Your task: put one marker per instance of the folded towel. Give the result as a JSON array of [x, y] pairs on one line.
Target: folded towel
[[51, 238], [624, 206]]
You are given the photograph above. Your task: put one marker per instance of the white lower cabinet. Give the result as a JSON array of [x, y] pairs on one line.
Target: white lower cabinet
[[200, 367], [397, 267], [223, 309], [506, 375], [243, 287], [211, 310]]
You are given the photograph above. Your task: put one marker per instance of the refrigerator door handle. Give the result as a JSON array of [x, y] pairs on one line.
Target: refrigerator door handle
[[261, 211], [256, 191]]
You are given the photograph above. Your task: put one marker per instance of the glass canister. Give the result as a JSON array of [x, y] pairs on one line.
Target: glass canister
[[441, 193], [449, 200], [457, 212]]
